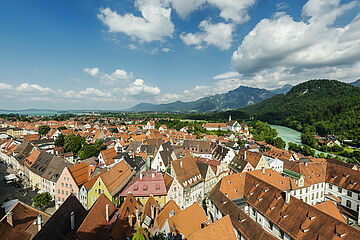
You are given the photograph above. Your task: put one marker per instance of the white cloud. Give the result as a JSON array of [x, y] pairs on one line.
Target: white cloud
[[117, 77], [292, 48], [139, 87], [185, 7], [4, 86], [227, 75], [92, 71], [235, 10], [218, 35], [166, 50], [154, 24]]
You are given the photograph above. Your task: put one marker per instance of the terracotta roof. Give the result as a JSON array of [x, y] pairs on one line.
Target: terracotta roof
[[170, 207], [117, 177], [274, 178], [109, 155], [23, 218], [94, 224], [81, 172], [313, 172], [29, 161], [188, 221], [343, 177], [233, 185], [186, 171], [330, 208], [147, 208], [168, 179], [150, 183], [128, 207], [222, 229]]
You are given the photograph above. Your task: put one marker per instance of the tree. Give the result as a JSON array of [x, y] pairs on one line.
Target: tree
[[42, 200], [88, 151], [279, 143], [43, 130], [73, 143], [60, 140]]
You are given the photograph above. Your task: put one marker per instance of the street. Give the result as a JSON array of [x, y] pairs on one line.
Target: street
[[11, 192]]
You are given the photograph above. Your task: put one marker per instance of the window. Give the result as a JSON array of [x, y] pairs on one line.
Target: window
[[62, 184], [253, 211], [58, 191], [349, 193], [59, 199], [348, 203], [317, 195], [67, 193], [62, 199], [99, 183], [281, 234], [330, 186], [66, 185], [70, 186], [312, 196], [62, 191], [339, 189]]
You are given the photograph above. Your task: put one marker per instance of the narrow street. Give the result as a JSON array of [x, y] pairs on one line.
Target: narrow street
[[11, 192]]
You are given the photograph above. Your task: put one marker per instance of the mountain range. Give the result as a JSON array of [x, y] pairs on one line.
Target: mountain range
[[234, 99]]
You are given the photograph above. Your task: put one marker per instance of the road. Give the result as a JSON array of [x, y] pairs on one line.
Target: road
[[11, 192]]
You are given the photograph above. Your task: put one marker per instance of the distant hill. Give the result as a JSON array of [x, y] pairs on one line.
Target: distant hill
[[356, 83], [329, 106], [239, 97]]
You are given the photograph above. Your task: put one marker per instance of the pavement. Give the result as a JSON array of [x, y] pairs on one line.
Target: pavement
[[11, 192]]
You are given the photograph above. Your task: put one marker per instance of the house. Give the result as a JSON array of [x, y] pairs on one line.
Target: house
[[169, 210], [187, 221], [150, 125], [187, 173], [71, 180], [64, 222], [150, 213], [95, 223], [174, 190], [22, 222], [147, 184], [233, 125], [198, 148], [85, 188], [38, 169], [209, 175], [52, 174], [107, 157], [220, 230], [275, 164], [214, 126], [111, 183], [164, 156]]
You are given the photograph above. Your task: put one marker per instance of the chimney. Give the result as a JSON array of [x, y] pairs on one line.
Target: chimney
[[39, 221], [130, 220], [72, 221], [9, 218], [107, 212], [306, 164], [141, 175], [137, 213], [152, 211], [287, 197], [263, 171]]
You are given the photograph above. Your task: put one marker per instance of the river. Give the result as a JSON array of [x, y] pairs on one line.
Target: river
[[290, 135]]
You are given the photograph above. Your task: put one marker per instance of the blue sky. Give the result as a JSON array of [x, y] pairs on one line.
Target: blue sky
[[89, 54]]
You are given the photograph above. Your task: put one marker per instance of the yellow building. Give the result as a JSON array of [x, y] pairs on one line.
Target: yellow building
[[15, 132], [110, 183], [262, 164]]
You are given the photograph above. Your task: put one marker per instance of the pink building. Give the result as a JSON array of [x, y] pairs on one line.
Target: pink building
[[174, 190], [71, 180]]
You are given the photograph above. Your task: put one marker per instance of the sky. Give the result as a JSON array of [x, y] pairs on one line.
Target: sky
[[112, 55]]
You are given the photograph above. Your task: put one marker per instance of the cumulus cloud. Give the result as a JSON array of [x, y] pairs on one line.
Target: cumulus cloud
[[117, 77], [92, 71], [153, 25], [285, 46], [185, 7], [235, 10], [139, 87], [227, 75], [218, 35]]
